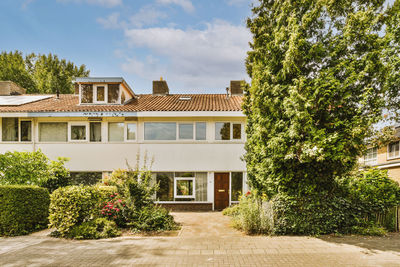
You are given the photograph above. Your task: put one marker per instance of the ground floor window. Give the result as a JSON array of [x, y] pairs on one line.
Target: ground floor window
[[181, 186], [86, 178]]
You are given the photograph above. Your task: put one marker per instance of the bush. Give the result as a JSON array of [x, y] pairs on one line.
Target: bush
[[153, 218], [85, 178], [252, 215], [24, 209], [95, 229], [231, 211], [73, 205], [33, 168]]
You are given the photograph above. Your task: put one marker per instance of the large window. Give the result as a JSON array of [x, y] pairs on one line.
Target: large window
[[160, 131], [116, 131], [236, 185], [181, 186], [14, 130], [228, 131], [113, 93], [371, 156], [53, 132], [95, 131], [393, 150]]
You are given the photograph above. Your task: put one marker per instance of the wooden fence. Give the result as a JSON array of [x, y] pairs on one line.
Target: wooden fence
[[390, 219]]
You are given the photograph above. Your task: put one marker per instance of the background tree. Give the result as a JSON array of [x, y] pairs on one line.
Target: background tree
[[42, 74], [322, 74]]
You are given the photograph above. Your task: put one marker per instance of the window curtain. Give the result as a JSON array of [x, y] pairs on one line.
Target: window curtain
[[201, 186], [10, 129], [116, 131], [53, 131], [95, 132]]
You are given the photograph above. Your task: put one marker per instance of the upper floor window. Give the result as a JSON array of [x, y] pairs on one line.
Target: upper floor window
[[173, 131], [393, 150], [100, 94], [14, 130], [371, 156], [120, 131], [53, 131], [228, 131]]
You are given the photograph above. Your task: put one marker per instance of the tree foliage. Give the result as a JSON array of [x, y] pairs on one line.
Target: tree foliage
[[322, 73], [39, 73]]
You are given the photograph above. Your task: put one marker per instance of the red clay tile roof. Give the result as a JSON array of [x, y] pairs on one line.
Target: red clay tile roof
[[198, 102]]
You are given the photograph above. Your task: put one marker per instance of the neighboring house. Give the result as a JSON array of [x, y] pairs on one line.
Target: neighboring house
[[195, 140], [386, 157]]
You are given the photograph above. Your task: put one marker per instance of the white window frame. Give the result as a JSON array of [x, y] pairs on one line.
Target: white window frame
[[95, 101], [231, 131], [387, 151], [126, 132], [372, 161], [19, 131], [193, 179], [86, 124]]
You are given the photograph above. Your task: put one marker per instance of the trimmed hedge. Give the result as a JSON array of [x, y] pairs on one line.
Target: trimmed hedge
[[24, 209], [74, 205]]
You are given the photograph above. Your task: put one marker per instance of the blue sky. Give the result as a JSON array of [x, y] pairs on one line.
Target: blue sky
[[198, 46]]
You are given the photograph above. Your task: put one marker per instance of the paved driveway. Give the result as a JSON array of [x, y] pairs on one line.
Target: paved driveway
[[204, 240]]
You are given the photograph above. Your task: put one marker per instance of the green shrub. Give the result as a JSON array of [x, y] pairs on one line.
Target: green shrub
[[73, 205], [252, 215], [85, 178], [153, 218], [95, 229], [33, 168], [23, 209], [231, 211]]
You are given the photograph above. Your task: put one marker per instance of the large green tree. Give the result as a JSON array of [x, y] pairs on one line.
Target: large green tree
[[38, 73], [322, 74]]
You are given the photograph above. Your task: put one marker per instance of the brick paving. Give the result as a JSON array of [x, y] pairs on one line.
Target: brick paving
[[206, 239]]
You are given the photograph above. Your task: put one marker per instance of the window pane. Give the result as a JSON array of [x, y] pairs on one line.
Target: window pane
[[116, 131], [160, 131], [87, 93], [113, 93], [184, 174], [201, 186], [165, 191], [10, 129], [186, 131], [394, 149], [78, 132], [222, 131], [100, 93], [131, 131], [53, 131], [26, 131], [236, 185], [184, 188], [201, 131], [237, 131], [95, 132]]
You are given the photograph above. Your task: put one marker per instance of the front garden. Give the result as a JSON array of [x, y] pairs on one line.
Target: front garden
[[37, 193]]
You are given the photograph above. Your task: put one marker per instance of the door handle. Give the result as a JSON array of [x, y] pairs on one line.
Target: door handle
[[221, 190]]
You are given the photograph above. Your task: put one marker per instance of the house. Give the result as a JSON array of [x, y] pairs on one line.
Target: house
[[386, 157], [195, 140]]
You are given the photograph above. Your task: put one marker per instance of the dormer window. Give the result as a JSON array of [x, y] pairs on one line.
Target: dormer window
[[103, 90], [100, 94]]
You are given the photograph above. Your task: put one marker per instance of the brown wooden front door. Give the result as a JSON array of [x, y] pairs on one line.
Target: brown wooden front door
[[221, 190]]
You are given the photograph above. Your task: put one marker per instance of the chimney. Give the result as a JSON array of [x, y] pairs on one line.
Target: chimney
[[10, 88], [160, 87], [236, 87]]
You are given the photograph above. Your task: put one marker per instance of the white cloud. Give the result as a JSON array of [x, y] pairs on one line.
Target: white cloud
[[185, 4], [106, 3], [195, 58], [110, 22], [147, 15]]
